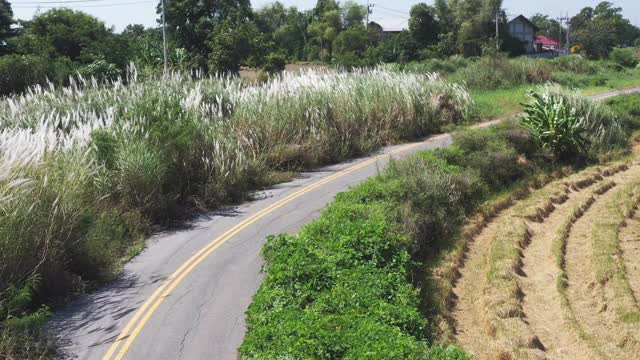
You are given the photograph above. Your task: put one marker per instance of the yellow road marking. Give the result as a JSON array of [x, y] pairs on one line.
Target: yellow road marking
[[149, 307]]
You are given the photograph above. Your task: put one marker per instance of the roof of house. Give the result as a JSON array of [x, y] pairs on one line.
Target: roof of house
[[545, 41], [524, 19]]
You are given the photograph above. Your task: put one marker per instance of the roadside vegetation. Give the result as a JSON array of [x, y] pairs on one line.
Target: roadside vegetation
[[384, 257], [86, 171], [499, 84]]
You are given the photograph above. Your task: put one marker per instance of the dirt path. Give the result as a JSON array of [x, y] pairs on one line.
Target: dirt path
[[594, 303]]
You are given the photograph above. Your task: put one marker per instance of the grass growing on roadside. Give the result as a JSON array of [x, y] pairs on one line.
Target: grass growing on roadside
[[492, 104], [420, 203], [85, 171], [499, 84], [340, 288]]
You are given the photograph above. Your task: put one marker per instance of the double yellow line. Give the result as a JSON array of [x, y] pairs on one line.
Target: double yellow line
[[134, 326]]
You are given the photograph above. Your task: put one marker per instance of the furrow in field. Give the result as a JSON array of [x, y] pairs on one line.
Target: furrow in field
[[542, 303], [630, 247], [597, 291], [489, 316]]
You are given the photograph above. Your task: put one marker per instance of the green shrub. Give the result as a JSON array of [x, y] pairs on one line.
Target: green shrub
[[449, 352], [428, 65], [492, 72], [349, 60], [100, 70], [575, 64], [20, 334], [530, 71], [108, 237], [500, 155], [275, 63], [358, 249], [628, 57], [487, 73], [105, 146], [18, 72], [305, 307], [579, 80]]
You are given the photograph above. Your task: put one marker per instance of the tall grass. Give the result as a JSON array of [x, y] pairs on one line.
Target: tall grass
[[86, 168]]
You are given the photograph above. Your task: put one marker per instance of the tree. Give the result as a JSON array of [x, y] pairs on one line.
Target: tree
[[71, 34], [353, 14], [286, 28], [324, 31], [374, 31], [602, 28], [473, 23], [271, 17], [144, 45], [444, 15], [352, 41], [6, 20], [607, 9], [547, 26], [192, 23], [423, 25], [231, 44], [324, 6]]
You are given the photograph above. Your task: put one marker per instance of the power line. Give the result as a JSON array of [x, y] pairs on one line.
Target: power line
[[562, 19], [394, 10], [394, 15], [56, 2], [84, 6]]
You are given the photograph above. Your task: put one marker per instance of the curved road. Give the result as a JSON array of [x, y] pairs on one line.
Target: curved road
[[185, 296]]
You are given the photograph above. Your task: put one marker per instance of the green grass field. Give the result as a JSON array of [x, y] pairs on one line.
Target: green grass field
[[494, 103]]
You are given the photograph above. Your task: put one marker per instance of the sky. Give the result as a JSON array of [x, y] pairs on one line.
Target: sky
[[391, 14]]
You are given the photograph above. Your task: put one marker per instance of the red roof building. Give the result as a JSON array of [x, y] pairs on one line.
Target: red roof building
[[543, 43]]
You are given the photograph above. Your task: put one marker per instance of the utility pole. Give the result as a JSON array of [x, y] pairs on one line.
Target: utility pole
[[560, 35], [563, 19], [369, 12], [497, 29], [568, 30], [164, 38]]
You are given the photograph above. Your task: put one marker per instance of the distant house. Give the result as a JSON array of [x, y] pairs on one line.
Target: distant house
[[544, 44], [383, 33], [523, 29]]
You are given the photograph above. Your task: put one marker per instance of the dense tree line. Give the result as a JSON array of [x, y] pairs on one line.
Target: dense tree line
[[223, 35]]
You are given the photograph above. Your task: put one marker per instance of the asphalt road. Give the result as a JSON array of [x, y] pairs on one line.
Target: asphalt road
[[185, 296]]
